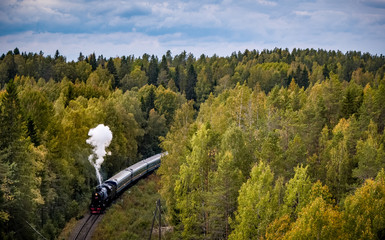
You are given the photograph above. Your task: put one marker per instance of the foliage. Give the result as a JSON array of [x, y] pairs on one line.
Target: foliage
[[364, 212], [310, 115], [318, 220], [256, 204]]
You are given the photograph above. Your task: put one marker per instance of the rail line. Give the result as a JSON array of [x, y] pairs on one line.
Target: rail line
[[86, 227]]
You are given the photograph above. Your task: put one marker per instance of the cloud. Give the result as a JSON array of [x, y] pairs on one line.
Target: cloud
[[303, 13], [374, 3], [154, 26], [267, 3]]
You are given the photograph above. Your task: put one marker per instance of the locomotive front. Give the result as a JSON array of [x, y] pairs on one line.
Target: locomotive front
[[99, 200]]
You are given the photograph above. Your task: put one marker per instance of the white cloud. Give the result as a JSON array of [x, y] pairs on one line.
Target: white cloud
[[302, 13], [267, 3], [154, 26]]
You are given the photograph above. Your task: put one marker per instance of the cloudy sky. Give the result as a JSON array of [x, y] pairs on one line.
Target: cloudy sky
[[126, 27]]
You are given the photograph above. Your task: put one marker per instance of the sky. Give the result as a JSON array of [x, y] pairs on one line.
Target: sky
[[135, 27]]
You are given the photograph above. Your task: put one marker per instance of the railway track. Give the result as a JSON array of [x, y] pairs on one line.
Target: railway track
[[87, 227]]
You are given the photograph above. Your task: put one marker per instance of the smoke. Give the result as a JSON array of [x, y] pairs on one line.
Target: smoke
[[100, 138]]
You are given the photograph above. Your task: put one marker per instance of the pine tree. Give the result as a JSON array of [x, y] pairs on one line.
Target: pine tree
[[352, 100], [11, 118], [31, 131], [92, 61], [325, 71], [177, 77], [57, 55], [112, 70], [153, 71], [15, 155], [81, 57], [164, 65], [191, 82]]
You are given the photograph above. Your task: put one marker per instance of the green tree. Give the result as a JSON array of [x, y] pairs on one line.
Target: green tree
[[38, 112], [295, 155], [155, 127], [339, 167], [166, 103], [352, 100], [194, 184], [83, 70], [315, 118], [203, 87], [379, 99], [272, 153], [92, 61], [147, 99], [177, 144], [222, 202], [153, 71], [268, 75], [191, 82], [119, 116], [278, 228], [8, 69], [11, 118], [303, 80], [256, 205], [370, 155], [297, 192], [331, 91], [112, 70], [236, 142], [136, 78], [364, 212], [318, 220], [164, 72], [19, 188], [100, 78], [179, 78]]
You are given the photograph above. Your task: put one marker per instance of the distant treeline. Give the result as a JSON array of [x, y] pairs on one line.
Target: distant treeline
[[197, 77]]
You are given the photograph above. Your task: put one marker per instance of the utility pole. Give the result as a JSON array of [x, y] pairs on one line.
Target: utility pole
[[160, 219], [157, 208]]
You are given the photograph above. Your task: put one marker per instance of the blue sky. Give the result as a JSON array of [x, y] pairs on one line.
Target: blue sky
[[116, 28]]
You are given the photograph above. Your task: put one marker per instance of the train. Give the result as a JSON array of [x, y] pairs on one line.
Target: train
[[105, 193]]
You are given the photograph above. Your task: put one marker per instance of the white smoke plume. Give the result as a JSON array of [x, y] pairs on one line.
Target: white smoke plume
[[100, 138]]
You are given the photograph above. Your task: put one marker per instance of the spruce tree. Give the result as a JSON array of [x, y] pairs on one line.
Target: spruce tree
[[191, 83], [112, 70], [153, 71]]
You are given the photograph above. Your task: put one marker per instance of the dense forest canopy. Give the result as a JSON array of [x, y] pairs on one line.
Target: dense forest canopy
[[262, 144]]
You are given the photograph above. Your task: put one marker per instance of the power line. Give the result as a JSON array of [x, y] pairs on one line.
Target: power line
[[36, 231]]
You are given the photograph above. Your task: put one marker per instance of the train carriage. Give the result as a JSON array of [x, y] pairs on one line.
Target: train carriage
[[105, 193]]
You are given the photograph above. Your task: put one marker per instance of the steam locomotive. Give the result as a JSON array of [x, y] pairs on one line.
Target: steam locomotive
[[105, 193]]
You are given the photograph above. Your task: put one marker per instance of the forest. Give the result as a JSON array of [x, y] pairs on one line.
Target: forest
[[271, 144]]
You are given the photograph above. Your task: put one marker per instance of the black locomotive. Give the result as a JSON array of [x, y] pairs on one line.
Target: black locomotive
[[105, 193]]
